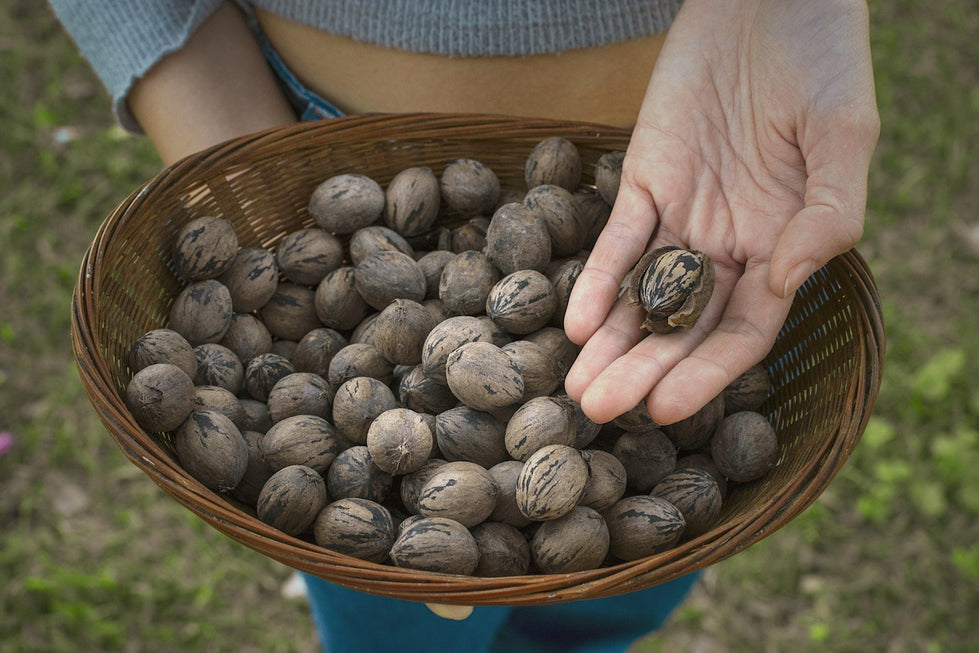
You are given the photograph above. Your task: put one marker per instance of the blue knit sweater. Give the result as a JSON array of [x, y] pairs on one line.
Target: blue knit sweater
[[123, 39]]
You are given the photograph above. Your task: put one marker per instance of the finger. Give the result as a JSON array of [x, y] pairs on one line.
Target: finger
[[453, 612], [625, 381], [814, 236], [831, 222], [625, 376], [752, 319], [620, 332], [621, 243]]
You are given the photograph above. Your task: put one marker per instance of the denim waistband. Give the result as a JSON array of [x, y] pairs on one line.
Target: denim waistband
[[308, 104]]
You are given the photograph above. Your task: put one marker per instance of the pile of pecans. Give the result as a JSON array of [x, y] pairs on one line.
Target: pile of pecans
[[388, 382]]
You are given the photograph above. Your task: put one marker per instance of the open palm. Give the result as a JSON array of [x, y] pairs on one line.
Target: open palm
[[752, 145]]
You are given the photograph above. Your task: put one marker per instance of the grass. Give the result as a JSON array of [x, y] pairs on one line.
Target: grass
[[96, 557]]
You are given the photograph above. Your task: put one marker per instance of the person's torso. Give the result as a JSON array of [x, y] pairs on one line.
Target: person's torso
[[603, 84]]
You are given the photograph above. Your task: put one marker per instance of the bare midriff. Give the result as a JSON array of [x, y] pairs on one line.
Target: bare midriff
[[602, 84]]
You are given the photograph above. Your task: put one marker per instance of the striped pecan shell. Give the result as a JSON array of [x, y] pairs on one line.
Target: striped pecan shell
[[673, 285]]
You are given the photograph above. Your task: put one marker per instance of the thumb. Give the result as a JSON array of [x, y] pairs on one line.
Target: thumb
[[453, 612], [815, 235], [831, 222]]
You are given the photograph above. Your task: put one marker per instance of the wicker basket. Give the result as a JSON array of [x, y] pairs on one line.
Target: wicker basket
[[826, 364]]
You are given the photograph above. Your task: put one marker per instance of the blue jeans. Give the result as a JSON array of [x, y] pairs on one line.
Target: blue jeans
[[308, 105], [348, 621], [351, 621]]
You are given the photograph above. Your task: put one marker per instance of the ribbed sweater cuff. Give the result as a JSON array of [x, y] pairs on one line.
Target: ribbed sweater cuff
[[484, 28]]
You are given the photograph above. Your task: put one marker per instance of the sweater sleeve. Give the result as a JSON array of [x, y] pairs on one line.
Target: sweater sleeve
[[123, 39]]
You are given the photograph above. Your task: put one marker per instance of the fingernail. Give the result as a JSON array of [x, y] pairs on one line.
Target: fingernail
[[797, 277]]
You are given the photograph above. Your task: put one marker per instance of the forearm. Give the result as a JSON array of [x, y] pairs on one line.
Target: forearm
[[217, 87]]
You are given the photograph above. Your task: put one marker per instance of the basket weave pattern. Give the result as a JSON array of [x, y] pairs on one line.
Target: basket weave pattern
[[825, 365]]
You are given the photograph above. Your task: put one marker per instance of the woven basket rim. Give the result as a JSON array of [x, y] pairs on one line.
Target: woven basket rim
[[149, 455]]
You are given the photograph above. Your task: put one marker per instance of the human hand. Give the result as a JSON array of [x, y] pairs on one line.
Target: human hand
[[453, 612], [752, 145]]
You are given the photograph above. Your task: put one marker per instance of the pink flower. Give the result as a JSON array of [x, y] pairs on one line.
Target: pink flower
[[6, 441]]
